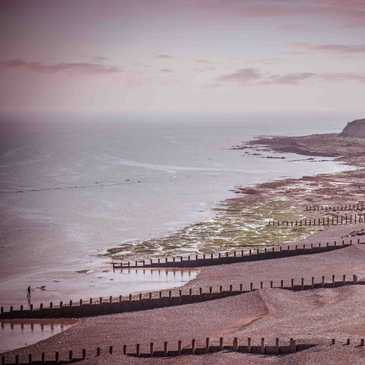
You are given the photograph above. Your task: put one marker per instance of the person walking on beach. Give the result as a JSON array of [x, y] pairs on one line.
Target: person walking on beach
[[29, 294]]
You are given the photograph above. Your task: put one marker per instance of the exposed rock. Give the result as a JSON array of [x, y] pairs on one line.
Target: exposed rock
[[355, 129]]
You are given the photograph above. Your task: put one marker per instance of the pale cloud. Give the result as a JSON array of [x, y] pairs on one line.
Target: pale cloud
[[289, 79], [251, 76], [164, 56], [242, 76], [343, 76], [331, 48], [51, 68]]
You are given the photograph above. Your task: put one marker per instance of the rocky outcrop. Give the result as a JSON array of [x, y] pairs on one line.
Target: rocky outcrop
[[354, 129]]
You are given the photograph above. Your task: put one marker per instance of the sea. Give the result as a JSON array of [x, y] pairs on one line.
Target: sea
[[73, 185]]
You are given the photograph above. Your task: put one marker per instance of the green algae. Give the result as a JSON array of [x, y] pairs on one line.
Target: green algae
[[237, 225]]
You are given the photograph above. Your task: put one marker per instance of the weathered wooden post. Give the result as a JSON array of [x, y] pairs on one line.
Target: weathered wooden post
[[262, 347], [293, 346], [249, 347], [151, 349], [235, 344], [179, 347], [207, 344], [220, 343], [193, 346], [137, 349]]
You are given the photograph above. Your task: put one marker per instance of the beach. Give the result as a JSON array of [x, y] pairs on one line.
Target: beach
[[313, 316]]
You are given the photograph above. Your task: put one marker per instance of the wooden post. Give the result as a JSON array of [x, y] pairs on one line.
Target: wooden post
[[312, 282], [98, 351], [293, 346], [235, 344], [249, 349], [281, 284], [137, 349], [277, 347], [261, 285], [124, 349], [110, 350], [179, 347], [193, 345], [302, 282], [151, 349], [57, 356], [30, 361], [362, 342], [220, 343], [84, 353], [262, 347], [251, 286], [70, 355], [43, 358], [207, 344], [292, 283], [165, 348]]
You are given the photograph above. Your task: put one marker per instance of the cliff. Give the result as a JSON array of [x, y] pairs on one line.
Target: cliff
[[355, 129]]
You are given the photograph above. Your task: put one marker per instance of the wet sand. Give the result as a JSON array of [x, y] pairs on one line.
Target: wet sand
[[313, 316]]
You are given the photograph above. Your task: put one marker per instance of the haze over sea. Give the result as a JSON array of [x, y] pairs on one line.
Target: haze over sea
[[74, 185]]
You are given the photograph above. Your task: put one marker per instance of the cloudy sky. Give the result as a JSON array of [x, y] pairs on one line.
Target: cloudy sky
[[182, 55]]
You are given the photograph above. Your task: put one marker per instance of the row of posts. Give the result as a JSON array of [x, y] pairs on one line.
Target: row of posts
[[211, 256], [335, 208], [236, 346], [321, 221], [55, 358], [230, 291]]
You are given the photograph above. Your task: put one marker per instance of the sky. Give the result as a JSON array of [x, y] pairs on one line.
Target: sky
[[182, 55]]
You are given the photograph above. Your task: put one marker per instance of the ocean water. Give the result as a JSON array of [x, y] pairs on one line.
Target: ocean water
[[72, 185]]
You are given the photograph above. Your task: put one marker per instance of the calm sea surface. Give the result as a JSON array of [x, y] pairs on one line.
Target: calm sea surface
[[72, 186]]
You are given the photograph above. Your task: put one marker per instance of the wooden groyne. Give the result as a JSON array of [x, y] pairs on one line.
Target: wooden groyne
[[167, 298], [325, 221], [232, 257], [251, 345], [335, 208]]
